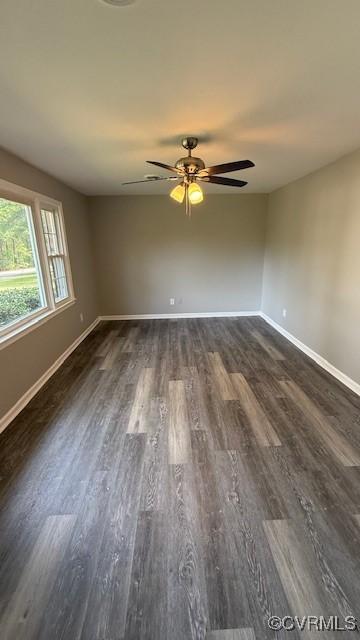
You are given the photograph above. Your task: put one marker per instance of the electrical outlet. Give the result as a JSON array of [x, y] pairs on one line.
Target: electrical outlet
[[172, 302], [81, 317], [284, 313]]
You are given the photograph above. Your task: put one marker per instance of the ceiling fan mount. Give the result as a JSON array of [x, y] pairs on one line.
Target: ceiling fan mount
[[191, 170], [190, 142]]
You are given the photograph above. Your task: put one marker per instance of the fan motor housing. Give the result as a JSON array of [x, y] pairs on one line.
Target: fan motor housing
[[190, 165]]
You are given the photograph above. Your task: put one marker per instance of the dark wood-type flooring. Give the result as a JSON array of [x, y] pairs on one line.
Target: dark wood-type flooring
[[180, 480]]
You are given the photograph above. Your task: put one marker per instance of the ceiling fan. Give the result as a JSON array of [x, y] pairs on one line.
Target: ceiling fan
[[191, 170]]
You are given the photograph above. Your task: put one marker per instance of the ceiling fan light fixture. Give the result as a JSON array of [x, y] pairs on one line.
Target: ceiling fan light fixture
[[178, 193], [195, 193], [191, 169]]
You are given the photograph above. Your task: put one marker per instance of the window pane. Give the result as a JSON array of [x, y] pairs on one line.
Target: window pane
[[50, 233], [58, 278], [55, 250], [58, 232], [21, 290]]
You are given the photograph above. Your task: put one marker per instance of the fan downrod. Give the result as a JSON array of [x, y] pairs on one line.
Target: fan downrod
[[190, 143]]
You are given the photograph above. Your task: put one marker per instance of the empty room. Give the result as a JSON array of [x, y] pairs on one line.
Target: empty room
[[179, 319]]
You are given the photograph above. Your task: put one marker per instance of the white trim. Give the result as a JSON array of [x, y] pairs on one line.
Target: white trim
[[33, 323], [206, 314], [339, 375], [16, 190], [30, 393]]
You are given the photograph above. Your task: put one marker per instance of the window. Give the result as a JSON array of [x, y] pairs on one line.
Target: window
[[55, 252], [35, 277], [21, 283]]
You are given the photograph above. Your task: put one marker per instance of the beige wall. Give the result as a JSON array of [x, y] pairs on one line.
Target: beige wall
[[148, 251], [24, 361], [312, 263]]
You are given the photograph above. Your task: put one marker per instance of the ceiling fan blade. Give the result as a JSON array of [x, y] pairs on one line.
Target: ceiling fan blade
[[227, 167], [228, 182], [163, 166], [151, 180]]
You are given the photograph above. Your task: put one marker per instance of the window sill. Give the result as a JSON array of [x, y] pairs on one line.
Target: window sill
[[19, 332]]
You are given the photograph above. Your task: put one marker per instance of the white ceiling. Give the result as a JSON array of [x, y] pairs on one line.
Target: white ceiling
[[90, 92]]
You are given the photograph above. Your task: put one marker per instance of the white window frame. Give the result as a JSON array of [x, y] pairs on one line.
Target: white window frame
[[51, 205], [37, 202]]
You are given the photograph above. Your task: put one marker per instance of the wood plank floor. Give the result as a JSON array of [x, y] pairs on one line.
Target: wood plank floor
[[180, 480]]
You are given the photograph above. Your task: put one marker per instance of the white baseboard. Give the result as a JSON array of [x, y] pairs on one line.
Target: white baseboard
[[30, 393], [169, 316], [339, 375]]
